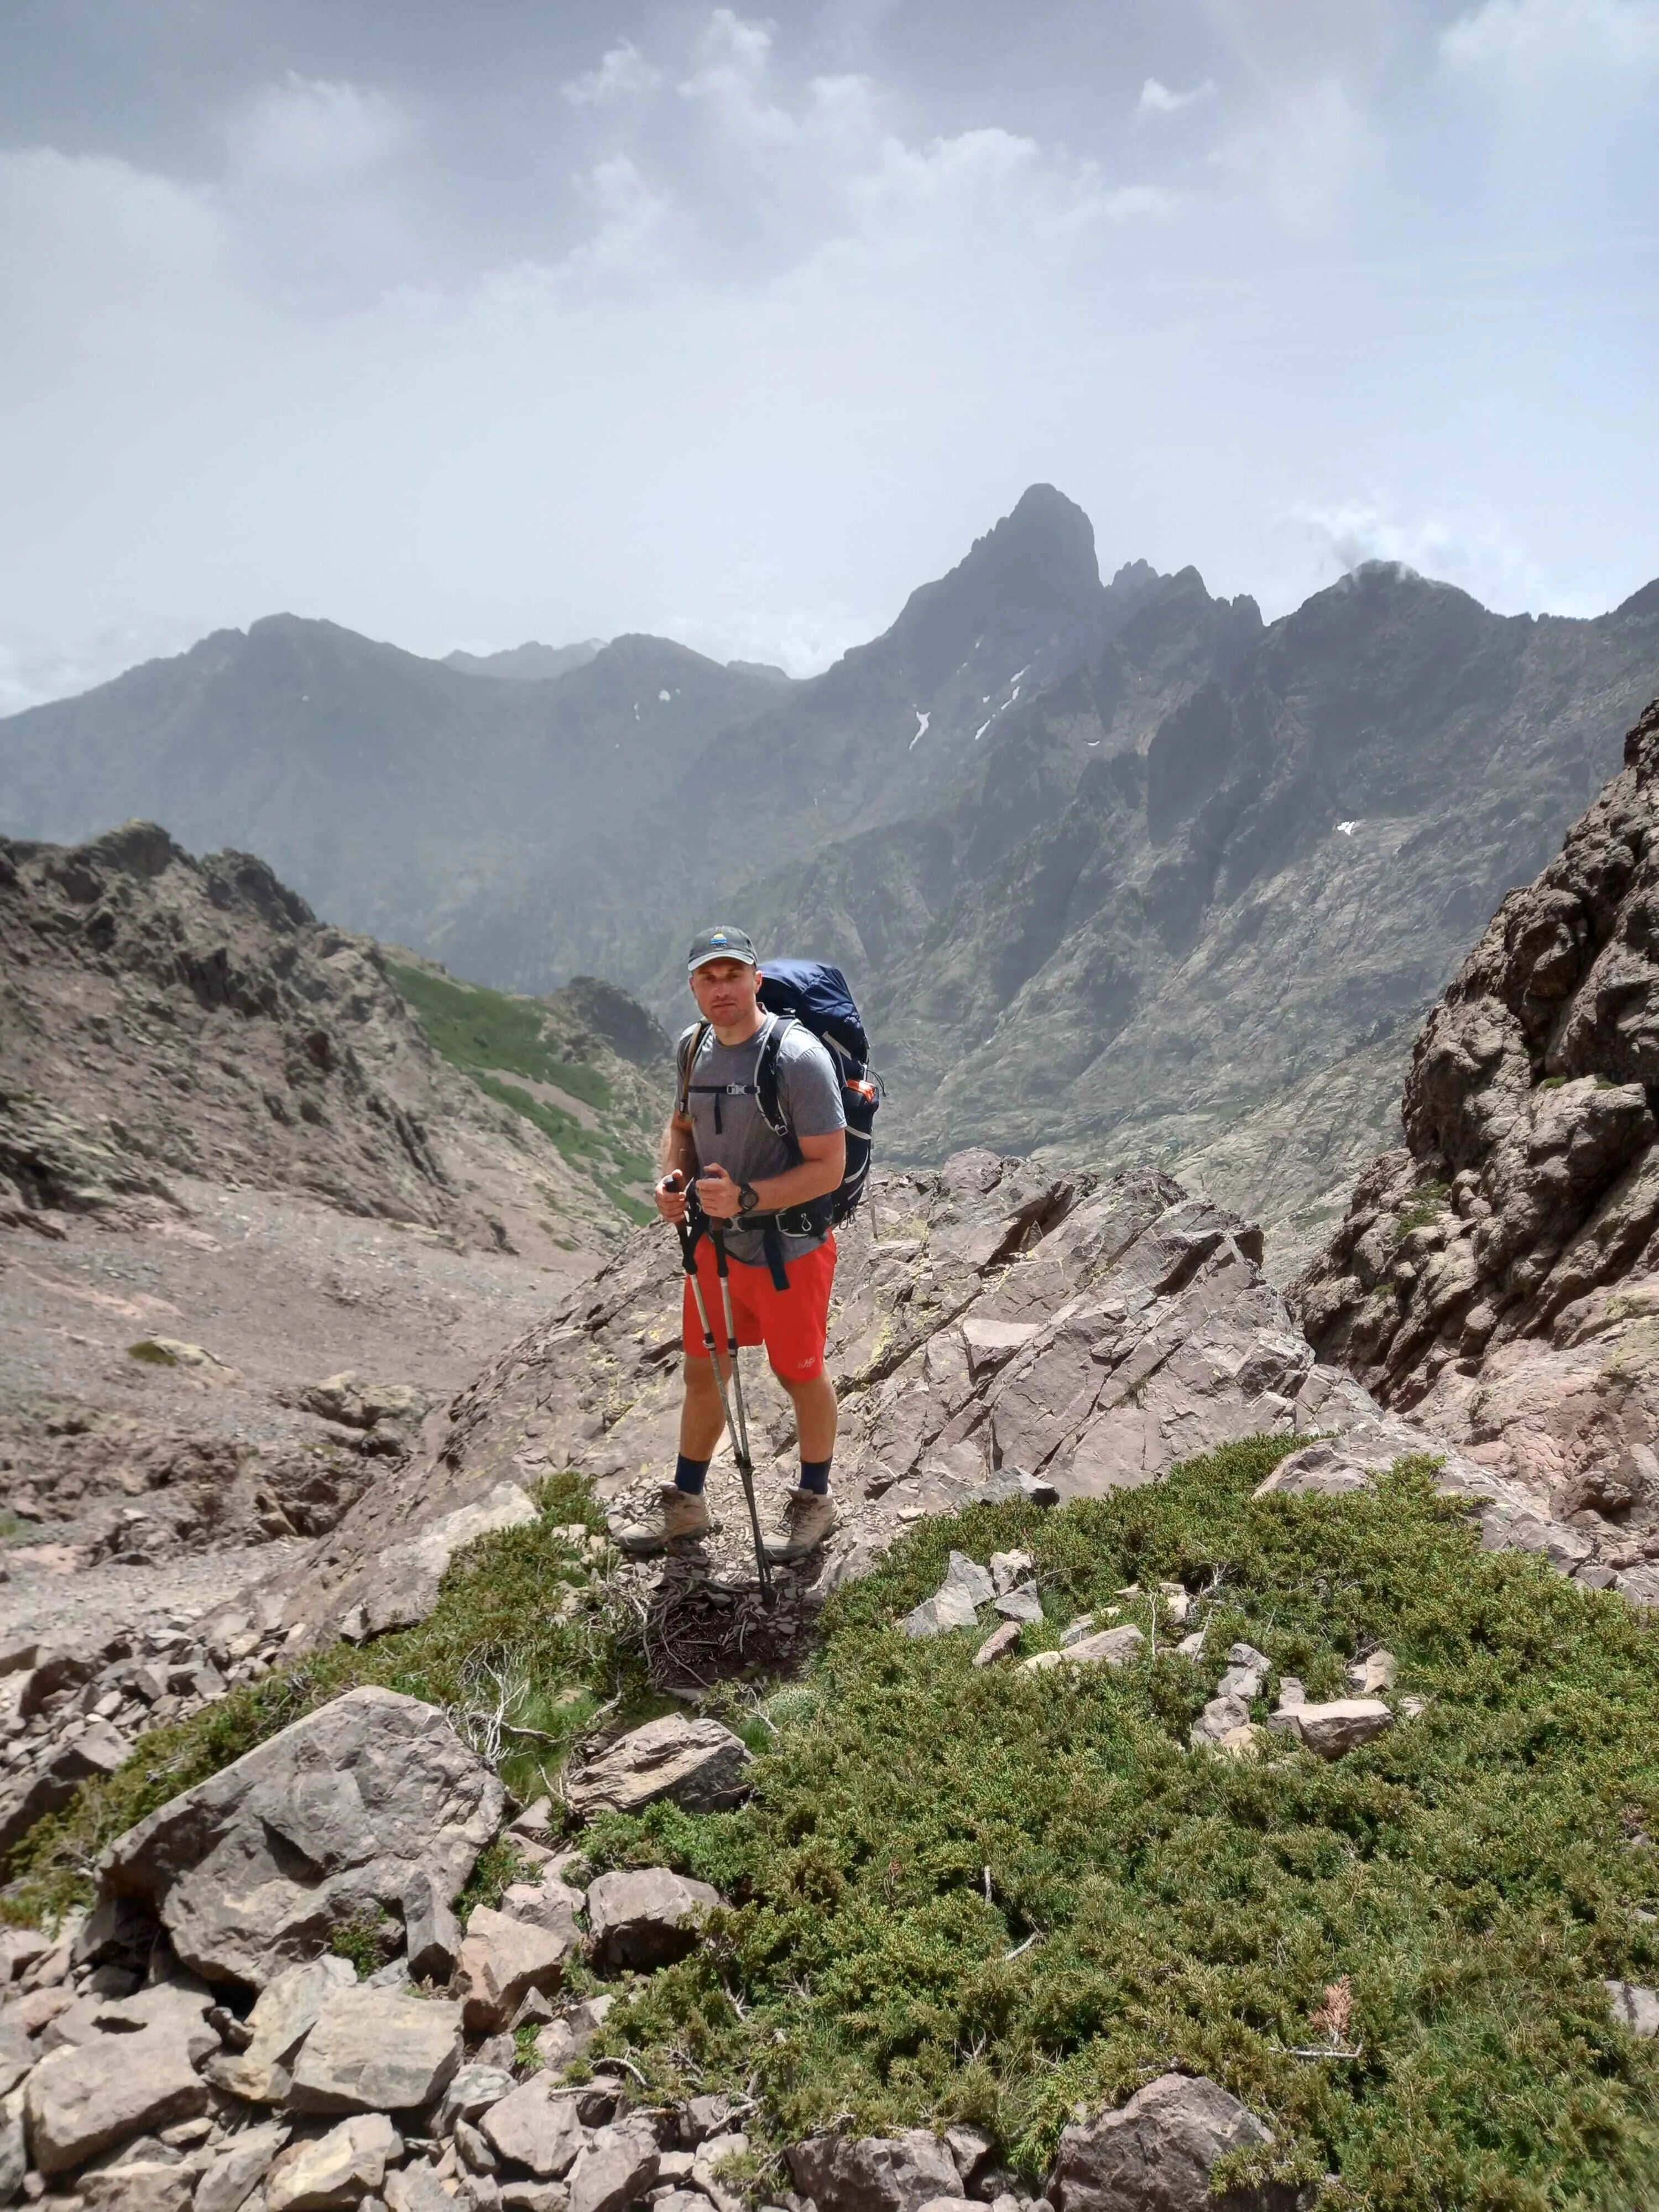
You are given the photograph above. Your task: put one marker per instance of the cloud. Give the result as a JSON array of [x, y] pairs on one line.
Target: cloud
[[1477, 551], [623, 73], [312, 131], [1519, 35], [1156, 98]]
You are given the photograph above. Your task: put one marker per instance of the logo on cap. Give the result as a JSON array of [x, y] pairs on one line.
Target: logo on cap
[[718, 937]]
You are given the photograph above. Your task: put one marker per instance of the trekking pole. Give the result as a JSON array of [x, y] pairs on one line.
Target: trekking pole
[[695, 1227], [739, 1427]]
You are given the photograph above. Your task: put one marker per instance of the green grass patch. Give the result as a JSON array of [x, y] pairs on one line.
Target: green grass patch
[[149, 1353], [1472, 1876], [475, 1028], [367, 1939], [485, 1033], [519, 1674], [1425, 1204]]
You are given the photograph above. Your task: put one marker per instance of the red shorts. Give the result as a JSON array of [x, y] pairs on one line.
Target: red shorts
[[791, 1324]]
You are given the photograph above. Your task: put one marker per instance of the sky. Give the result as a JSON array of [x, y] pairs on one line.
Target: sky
[[552, 318]]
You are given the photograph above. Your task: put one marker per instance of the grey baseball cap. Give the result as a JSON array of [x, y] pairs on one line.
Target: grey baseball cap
[[723, 943]]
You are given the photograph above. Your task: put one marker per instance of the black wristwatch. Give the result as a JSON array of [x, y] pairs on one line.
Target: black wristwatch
[[748, 1198]]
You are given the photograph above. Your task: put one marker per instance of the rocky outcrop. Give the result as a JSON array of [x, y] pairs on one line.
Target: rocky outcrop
[[996, 1330], [162, 1017], [1499, 1275], [324, 1823]]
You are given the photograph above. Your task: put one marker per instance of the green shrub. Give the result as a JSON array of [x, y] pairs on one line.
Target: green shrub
[[1472, 1876]]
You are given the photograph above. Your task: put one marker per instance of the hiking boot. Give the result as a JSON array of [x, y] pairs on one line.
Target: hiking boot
[[809, 1516], [681, 1516]]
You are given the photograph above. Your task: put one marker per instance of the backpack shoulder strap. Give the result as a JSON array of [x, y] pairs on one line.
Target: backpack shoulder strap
[[683, 1106], [768, 1096]]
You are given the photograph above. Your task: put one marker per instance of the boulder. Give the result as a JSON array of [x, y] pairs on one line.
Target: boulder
[[327, 1822], [950, 1607], [337, 2169], [283, 2015], [536, 2127], [874, 2173], [614, 2169], [405, 1585], [694, 1762], [82, 2098], [53, 1672], [708, 2173], [1008, 1568], [502, 1960], [1217, 1721], [376, 2050], [1112, 1647], [1247, 1672], [17, 2055], [1635, 2008], [14, 2150], [240, 2166], [432, 1934], [549, 1903], [1021, 1603], [647, 1917], [1001, 1639], [472, 2091], [417, 2188], [1328, 1731], [1157, 2153], [141, 2185]]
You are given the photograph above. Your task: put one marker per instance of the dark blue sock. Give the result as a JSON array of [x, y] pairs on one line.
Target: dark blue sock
[[814, 1475], [690, 1474]]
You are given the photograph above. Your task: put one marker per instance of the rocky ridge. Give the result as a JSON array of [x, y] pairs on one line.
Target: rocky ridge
[[164, 1015], [1499, 1275]]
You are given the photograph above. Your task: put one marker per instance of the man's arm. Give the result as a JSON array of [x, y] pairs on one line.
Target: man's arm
[[679, 1164], [822, 1165]]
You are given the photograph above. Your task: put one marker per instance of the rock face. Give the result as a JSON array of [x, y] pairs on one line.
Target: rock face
[[161, 1016], [1157, 2152], [647, 1917], [1500, 1274], [327, 1822], [1129, 1326], [77, 2102]]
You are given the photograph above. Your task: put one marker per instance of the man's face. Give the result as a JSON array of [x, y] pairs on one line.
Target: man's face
[[724, 991]]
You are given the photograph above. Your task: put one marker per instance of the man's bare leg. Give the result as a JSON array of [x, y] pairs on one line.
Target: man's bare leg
[[684, 1513]]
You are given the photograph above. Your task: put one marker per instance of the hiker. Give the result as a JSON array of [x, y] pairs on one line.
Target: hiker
[[750, 1182]]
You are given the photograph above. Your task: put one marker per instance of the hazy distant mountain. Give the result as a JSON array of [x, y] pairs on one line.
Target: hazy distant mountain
[[527, 664], [387, 787], [1111, 865]]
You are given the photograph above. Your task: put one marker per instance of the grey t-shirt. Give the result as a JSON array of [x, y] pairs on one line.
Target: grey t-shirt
[[809, 1091]]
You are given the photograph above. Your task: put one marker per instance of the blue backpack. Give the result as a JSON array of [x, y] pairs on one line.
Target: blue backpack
[[817, 995]]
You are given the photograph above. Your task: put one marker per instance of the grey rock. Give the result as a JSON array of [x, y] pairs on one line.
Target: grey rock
[[534, 2196], [238, 2169], [17, 2054], [329, 1819], [143, 2185], [471, 2092], [548, 1903], [406, 1588], [283, 2015], [971, 2151], [613, 2170], [693, 1760], [1111, 1647], [333, 2170], [647, 1917], [14, 2153], [967, 1575], [1635, 2008], [502, 1960], [474, 2149], [82, 2098], [703, 2117], [432, 1934], [1217, 1721], [376, 2050], [1008, 1568], [1157, 2153], [1328, 1731], [874, 2173], [536, 2127], [416, 2188], [1246, 1673], [1377, 1671], [950, 1607], [1020, 1604], [1001, 1639]]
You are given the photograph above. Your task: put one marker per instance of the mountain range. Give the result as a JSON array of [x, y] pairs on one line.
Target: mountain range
[[1110, 864]]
